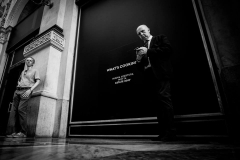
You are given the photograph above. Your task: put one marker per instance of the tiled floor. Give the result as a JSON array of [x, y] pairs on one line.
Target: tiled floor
[[114, 149]]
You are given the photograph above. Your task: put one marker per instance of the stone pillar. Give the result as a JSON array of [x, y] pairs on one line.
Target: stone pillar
[[47, 49], [54, 55], [54, 15]]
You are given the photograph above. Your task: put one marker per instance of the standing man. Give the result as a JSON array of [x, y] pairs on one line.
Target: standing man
[[28, 80], [154, 61]]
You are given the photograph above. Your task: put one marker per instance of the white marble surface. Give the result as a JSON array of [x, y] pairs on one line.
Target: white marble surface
[[70, 151], [113, 149]]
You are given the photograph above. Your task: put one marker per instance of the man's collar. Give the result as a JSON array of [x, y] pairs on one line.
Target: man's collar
[[28, 68], [149, 38]]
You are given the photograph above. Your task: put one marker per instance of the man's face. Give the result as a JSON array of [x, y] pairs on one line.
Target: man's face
[[29, 62], [143, 32]]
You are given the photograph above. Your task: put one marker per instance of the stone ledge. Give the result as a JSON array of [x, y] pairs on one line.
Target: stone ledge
[[45, 93]]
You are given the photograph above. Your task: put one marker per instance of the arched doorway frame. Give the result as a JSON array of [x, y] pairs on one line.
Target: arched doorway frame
[[15, 12]]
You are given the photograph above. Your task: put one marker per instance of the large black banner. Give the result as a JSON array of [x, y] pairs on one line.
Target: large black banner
[[108, 85]]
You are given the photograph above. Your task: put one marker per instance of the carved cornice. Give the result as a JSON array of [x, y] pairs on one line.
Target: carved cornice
[[4, 34], [50, 38]]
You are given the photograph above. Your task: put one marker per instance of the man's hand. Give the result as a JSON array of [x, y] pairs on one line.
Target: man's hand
[[143, 50], [139, 57], [27, 93], [139, 54]]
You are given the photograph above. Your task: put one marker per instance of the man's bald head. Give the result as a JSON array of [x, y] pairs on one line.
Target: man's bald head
[[143, 32]]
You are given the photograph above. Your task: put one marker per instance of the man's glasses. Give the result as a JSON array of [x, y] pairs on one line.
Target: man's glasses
[[29, 60]]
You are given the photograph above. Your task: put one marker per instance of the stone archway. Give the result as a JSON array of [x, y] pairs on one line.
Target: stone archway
[[15, 12]]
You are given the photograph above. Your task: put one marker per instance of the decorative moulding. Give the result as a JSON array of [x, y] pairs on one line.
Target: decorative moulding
[[50, 38], [5, 12], [4, 34]]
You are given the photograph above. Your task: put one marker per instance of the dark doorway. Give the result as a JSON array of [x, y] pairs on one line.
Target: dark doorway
[[27, 28], [8, 91]]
